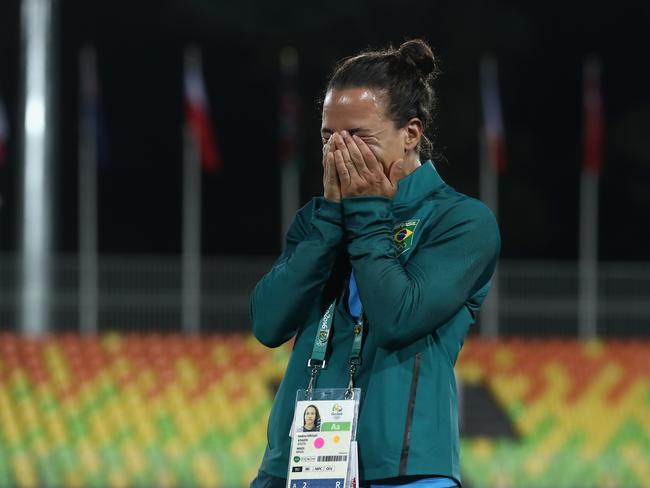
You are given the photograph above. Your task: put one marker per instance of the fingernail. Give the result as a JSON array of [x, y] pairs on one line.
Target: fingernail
[[345, 134]]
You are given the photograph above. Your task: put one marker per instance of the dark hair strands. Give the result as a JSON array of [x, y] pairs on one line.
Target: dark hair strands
[[405, 75]]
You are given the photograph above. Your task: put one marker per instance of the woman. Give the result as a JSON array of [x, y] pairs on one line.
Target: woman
[[310, 420], [389, 236]]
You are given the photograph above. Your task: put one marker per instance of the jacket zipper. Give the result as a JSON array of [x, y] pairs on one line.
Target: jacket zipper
[[406, 444]]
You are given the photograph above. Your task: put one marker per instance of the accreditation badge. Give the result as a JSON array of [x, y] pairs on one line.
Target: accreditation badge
[[322, 434]]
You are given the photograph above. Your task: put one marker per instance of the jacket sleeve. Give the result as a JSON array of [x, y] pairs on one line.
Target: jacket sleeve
[[404, 303], [281, 300]]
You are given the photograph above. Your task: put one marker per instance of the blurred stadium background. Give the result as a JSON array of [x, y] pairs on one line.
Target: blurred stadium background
[[151, 154]]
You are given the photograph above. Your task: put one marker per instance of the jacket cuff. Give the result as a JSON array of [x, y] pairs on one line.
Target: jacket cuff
[[369, 225], [328, 211]]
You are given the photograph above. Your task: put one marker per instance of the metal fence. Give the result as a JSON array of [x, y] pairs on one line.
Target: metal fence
[[144, 293], [141, 292], [541, 298]]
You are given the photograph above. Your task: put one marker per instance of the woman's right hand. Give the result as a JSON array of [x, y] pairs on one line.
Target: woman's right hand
[[331, 183]]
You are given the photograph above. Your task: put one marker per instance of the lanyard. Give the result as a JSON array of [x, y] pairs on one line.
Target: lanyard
[[317, 360]]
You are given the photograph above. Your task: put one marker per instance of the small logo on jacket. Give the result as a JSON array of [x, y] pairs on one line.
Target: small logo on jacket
[[403, 235]]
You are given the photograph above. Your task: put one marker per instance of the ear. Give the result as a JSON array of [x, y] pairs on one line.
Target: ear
[[413, 131]]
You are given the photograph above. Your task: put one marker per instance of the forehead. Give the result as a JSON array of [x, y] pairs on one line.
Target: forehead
[[344, 109]]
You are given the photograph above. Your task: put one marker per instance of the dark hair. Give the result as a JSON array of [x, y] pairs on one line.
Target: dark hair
[[316, 420], [405, 75]]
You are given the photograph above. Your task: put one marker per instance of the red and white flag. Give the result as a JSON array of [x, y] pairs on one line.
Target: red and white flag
[[592, 149], [492, 118], [4, 133], [197, 114]]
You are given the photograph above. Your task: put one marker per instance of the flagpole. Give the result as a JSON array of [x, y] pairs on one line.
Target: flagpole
[[489, 178], [290, 173], [588, 260], [191, 260], [589, 194], [36, 193], [88, 269], [489, 192]]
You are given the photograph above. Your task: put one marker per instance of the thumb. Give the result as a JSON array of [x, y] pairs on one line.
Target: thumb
[[396, 172]]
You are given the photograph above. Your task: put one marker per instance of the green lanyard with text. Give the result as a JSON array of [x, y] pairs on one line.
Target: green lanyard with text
[[317, 360]]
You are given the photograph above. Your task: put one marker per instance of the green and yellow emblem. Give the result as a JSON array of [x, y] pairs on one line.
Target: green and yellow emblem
[[403, 235]]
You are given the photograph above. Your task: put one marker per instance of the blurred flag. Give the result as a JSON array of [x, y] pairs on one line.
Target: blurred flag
[[4, 133], [492, 119], [289, 136], [197, 113], [199, 152], [592, 161], [592, 157]]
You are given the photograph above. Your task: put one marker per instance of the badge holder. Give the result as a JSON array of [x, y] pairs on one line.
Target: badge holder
[[323, 432]]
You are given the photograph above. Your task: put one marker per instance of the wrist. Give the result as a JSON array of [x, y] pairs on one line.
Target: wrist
[[332, 195], [332, 199]]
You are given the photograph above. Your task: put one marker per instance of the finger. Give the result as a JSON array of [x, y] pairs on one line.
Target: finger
[[332, 177], [336, 180], [355, 155], [342, 169], [326, 168], [326, 149], [349, 163], [368, 156], [333, 141]]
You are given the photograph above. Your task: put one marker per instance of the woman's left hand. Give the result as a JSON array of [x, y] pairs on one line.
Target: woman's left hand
[[360, 173]]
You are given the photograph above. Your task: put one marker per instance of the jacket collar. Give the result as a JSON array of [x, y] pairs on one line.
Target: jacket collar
[[420, 183]]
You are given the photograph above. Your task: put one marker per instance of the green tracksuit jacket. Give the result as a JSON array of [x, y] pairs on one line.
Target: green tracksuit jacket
[[420, 298]]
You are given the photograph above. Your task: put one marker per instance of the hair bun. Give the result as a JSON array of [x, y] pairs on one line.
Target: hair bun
[[418, 54]]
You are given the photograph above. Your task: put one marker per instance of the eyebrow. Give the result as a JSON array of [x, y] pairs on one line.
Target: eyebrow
[[351, 131]]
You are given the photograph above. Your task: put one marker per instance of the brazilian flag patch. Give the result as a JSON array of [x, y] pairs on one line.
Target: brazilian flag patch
[[403, 235]]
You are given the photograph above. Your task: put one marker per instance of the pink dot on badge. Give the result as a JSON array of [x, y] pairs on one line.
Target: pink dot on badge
[[319, 442]]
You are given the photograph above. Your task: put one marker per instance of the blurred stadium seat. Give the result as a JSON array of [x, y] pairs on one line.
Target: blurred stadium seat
[[151, 409], [581, 412], [134, 409]]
